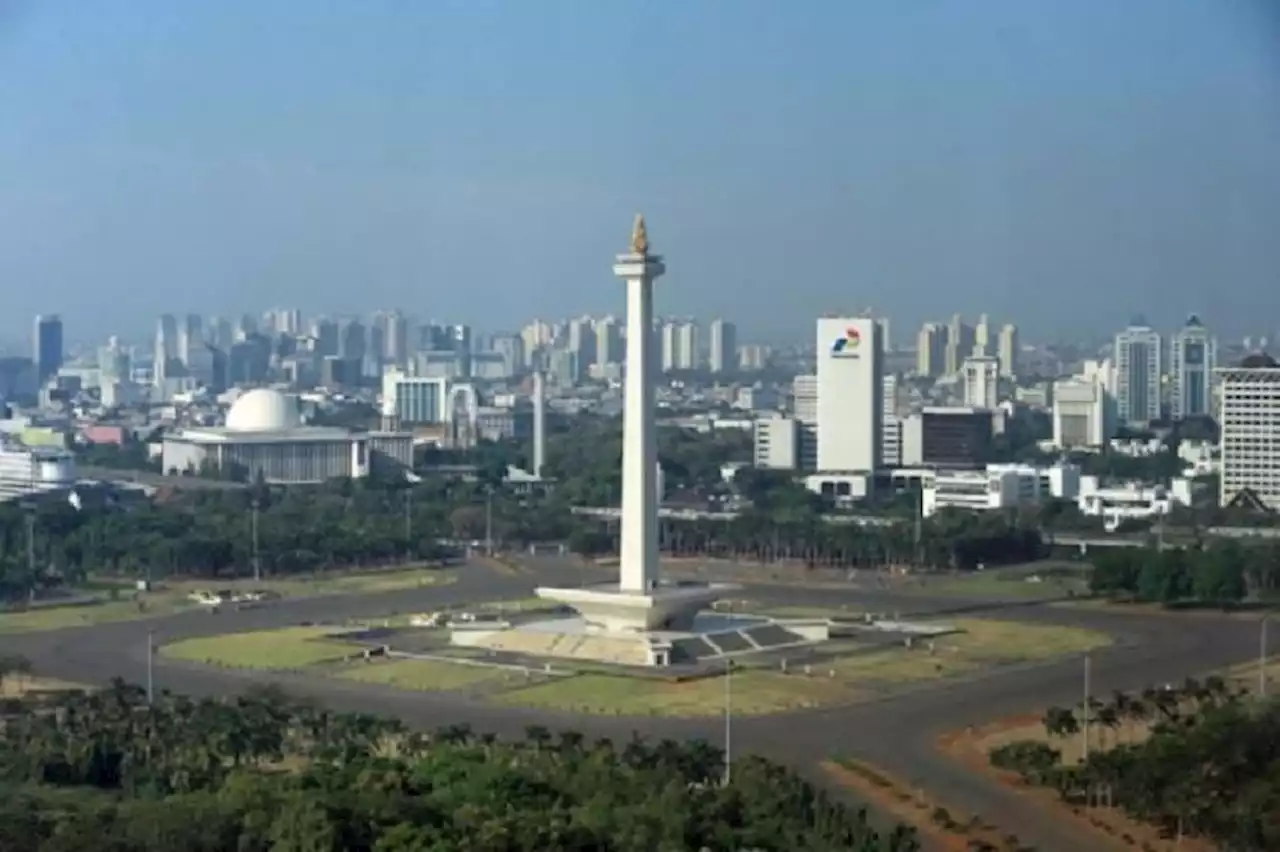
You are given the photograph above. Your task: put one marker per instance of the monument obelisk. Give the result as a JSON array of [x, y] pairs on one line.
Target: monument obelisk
[[639, 569]]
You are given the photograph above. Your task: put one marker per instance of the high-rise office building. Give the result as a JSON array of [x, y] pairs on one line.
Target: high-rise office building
[[959, 344], [190, 338], [46, 345], [1249, 420], [981, 374], [1009, 351], [1137, 355], [166, 348], [723, 354], [982, 337], [608, 342], [931, 350], [850, 394], [1082, 412], [679, 345], [804, 403], [582, 346], [1193, 355]]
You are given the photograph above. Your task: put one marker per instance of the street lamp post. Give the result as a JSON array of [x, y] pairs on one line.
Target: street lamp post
[[728, 721], [257, 563], [151, 680], [408, 523], [488, 521], [1262, 658]]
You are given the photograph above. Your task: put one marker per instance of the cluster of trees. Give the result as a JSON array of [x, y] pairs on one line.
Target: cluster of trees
[[111, 772], [948, 540], [1197, 759], [210, 533], [1222, 572]]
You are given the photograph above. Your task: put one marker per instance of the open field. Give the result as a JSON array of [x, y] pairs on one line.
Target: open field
[[753, 692], [1038, 580], [120, 602], [846, 679], [423, 675], [286, 648]]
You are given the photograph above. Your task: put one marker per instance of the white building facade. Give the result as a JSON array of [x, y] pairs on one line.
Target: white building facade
[[850, 394], [1082, 413], [981, 374], [1249, 423]]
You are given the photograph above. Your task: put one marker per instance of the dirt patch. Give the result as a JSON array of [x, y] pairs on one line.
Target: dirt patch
[[939, 827], [1110, 828]]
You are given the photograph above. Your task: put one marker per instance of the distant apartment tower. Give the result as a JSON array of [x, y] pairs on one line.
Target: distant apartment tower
[[1193, 355], [982, 336], [679, 345], [931, 350], [753, 357], [1137, 354], [582, 346], [1249, 423], [981, 375], [1008, 351], [190, 339], [608, 342], [959, 344], [723, 357], [166, 348], [850, 394], [47, 346]]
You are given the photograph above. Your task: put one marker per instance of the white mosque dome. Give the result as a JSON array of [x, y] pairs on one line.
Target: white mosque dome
[[263, 410]]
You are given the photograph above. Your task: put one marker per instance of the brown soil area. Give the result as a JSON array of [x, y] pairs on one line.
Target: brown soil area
[[952, 832], [1110, 827]]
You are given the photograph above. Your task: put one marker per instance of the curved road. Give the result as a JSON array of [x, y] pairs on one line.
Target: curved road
[[897, 732]]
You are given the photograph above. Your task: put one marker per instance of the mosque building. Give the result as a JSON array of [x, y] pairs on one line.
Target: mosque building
[[265, 436]]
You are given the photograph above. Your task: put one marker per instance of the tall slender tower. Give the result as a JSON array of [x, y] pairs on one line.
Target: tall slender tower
[[639, 569], [539, 424]]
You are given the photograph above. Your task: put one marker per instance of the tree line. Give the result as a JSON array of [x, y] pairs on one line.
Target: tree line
[[1222, 572], [110, 771], [1197, 759]]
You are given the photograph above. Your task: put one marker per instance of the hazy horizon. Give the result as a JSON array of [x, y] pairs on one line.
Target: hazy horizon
[[1064, 166]]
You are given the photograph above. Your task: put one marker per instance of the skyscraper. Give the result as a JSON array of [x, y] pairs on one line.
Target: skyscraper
[[981, 375], [959, 344], [1009, 351], [46, 345], [981, 337], [850, 394], [1193, 354], [608, 341], [190, 338], [166, 349], [723, 356], [931, 350], [1137, 375]]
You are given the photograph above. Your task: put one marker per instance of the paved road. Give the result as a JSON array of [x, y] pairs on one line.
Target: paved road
[[897, 732]]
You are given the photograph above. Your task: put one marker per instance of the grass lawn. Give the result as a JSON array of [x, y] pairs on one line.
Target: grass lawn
[[172, 597], [423, 675], [288, 648], [1055, 579], [753, 692]]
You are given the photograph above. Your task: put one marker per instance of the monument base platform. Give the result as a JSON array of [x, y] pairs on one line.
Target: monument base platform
[[664, 607]]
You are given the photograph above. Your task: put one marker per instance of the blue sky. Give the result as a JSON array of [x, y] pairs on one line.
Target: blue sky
[[1060, 164]]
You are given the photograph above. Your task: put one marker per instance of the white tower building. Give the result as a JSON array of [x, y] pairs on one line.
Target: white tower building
[[539, 424], [637, 602], [1193, 354], [850, 394], [639, 546], [981, 381]]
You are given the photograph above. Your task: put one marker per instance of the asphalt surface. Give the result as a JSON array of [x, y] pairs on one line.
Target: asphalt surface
[[897, 732]]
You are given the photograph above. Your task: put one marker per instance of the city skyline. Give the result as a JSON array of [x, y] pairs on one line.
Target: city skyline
[[1128, 168]]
